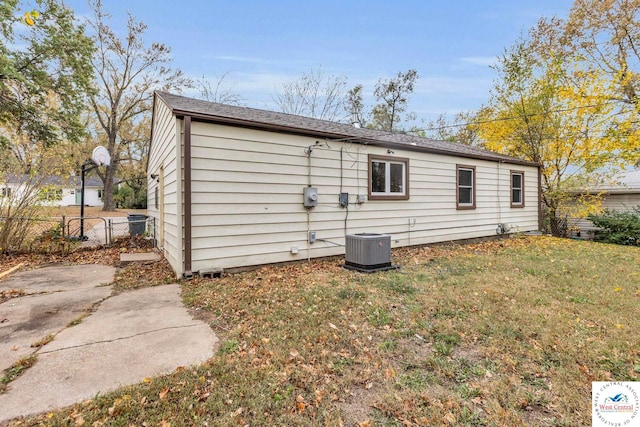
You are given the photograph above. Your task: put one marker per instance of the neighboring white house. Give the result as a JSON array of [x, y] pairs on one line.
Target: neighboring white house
[[57, 191], [621, 193], [227, 186]]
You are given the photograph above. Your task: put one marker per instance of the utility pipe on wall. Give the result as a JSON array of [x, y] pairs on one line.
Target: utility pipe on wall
[[187, 198]]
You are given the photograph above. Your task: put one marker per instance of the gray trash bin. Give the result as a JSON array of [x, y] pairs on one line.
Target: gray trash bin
[[137, 224]]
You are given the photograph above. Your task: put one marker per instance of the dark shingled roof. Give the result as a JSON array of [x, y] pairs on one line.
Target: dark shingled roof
[[282, 122], [56, 181]]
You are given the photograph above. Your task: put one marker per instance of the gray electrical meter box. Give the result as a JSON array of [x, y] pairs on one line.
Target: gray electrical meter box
[[310, 197]]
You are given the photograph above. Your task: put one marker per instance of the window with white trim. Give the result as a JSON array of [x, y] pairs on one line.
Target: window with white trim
[[517, 189], [388, 178], [5, 192], [465, 187]]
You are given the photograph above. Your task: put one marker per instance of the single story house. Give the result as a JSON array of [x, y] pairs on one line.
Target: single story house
[[56, 190], [620, 193], [233, 187]]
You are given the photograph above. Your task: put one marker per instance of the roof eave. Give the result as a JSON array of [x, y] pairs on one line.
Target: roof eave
[[332, 135]]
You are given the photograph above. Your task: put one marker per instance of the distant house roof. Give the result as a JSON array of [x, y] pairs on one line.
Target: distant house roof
[[289, 123], [67, 182], [624, 182]]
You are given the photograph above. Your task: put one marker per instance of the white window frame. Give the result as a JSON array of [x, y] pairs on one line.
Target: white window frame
[[472, 169], [514, 204], [387, 194]]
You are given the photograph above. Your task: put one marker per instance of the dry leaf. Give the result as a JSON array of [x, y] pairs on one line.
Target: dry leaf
[[365, 423], [163, 393], [450, 418]]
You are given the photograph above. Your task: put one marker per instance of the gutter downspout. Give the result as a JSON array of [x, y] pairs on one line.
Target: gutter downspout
[[540, 208], [188, 274]]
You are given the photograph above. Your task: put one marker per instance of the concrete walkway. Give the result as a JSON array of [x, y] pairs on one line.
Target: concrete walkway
[[125, 338], [98, 234]]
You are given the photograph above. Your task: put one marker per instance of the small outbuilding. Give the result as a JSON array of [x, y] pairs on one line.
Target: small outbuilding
[[620, 193], [234, 187]]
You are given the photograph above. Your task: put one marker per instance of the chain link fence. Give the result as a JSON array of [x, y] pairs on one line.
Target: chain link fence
[[65, 234]]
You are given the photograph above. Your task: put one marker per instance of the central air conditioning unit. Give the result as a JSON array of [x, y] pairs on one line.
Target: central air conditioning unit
[[368, 252]]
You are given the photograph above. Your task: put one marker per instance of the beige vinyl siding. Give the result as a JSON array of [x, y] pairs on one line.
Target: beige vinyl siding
[[623, 202], [165, 150], [247, 197]]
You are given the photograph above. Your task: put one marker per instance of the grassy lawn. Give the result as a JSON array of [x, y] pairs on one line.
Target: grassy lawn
[[502, 333]]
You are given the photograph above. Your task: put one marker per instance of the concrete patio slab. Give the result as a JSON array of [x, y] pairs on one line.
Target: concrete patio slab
[[60, 278], [28, 319], [128, 337]]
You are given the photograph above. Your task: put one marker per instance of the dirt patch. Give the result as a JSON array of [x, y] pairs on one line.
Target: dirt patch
[[471, 353], [358, 408]]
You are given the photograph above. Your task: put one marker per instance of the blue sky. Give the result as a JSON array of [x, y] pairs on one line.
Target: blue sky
[[261, 44]]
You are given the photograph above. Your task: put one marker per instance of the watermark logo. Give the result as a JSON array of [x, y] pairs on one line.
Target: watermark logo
[[615, 404]]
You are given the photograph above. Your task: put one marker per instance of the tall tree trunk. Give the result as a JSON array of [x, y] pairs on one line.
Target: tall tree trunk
[[107, 196]]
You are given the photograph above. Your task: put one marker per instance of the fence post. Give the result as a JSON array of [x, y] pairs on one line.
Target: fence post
[[110, 233], [62, 226]]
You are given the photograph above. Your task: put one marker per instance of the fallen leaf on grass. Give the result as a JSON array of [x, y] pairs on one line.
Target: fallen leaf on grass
[[300, 403], [163, 393]]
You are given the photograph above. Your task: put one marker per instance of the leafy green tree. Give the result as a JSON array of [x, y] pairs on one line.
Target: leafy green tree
[[355, 106], [392, 97], [45, 71]]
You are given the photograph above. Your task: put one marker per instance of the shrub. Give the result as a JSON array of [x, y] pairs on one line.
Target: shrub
[[621, 228]]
